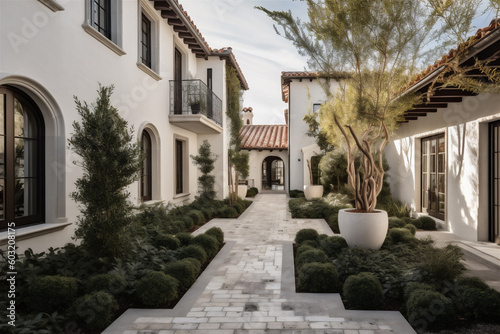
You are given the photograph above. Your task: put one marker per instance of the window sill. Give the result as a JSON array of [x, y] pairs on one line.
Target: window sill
[[183, 195], [103, 39], [29, 232], [53, 5], [152, 202], [149, 71]]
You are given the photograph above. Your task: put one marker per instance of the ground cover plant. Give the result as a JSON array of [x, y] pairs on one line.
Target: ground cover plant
[[423, 282]]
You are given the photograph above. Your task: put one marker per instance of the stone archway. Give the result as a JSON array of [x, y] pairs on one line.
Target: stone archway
[[273, 173]]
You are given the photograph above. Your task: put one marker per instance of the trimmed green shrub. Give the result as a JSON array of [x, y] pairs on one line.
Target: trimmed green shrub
[[252, 192], [208, 213], [217, 233], [429, 310], [443, 263], [183, 271], [396, 222], [397, 235], [413, 286], [312, 243], [427, 223], [411, 220], [475, 300], [295, 193], [166, 240], [197, 216], [306, 234], [302, 248], [194, 251], [363, 291], [228, 212], [113, 283], [332, 246], [51, 293], [184, 238], [318, 277], [174, 226], [96, 310], [208, 242], [156, 289], [322, 237], [333, 222], [188, 222], [309, 256], [196, 264], [412, 228], [239, 208]]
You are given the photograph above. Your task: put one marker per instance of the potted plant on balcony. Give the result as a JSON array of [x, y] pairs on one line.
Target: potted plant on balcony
[[312, 190]]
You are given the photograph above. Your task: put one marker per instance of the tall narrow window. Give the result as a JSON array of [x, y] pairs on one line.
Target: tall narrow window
[[21, 160], [494, 206], [146, 173], [146, 41], [178, 82], [101, 16], [209, 94], [434, 176], [179, 165]]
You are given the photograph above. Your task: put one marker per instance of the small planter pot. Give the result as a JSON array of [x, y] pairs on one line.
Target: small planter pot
[[242, 191], [364, 230], [313, 191]]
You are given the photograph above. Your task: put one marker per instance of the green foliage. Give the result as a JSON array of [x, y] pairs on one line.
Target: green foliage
[[96, 310], [318, 277], [239, 208], [51, 293], [333, 222], [208, 242], [217, 233], [295, 193], [312, 243], [396, 222], [443, 263], [205, 161], [411, 228], [197, 216], [426, 223], [414, 286], [183, 271], [195, 264], [187, 223], [194, 251], [318, 208], [332, 246], [252, 192], [111, 282], [111, 161], [306, 234], [397, 235], [156, 289], [394, 207], [333, 167], [411, 220], [363, 291], [309, 256], [302, 248], [184, 238], [166, 240], [428, 309], [475, 300], [228, 212], [208, 213]]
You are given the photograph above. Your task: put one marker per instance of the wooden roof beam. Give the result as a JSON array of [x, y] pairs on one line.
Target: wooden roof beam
[[411, 118], [175, 22], [168, 14], [418, 114], [431, 105], [453, 92], [440, 99], [421, 110], [161, 5], [180, 28]]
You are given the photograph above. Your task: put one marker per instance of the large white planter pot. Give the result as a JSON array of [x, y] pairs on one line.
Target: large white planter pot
[[242, 191], [365, 230], [313, 191]]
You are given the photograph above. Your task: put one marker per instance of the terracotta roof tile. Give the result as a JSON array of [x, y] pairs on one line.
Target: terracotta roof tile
[[264, 137]]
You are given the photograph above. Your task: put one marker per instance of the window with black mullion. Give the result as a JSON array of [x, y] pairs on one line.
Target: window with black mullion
[[146, 41]]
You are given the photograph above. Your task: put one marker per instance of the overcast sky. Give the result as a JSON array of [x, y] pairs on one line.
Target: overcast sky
[[260, 52]]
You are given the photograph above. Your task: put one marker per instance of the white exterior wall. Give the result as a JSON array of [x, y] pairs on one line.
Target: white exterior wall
[[52, 58], [257, 158], [465, 126], [302, 95]]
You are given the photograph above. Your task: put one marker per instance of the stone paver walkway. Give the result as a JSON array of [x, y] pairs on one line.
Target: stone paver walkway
[[249, 287]]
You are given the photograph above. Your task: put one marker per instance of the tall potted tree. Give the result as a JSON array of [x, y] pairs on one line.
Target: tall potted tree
[[379, 45]]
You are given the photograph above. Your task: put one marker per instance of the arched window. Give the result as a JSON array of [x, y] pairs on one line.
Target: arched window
[[21, 160], [146, 174]]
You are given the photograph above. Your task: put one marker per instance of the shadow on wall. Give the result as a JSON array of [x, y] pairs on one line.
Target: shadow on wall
[[399, 153]]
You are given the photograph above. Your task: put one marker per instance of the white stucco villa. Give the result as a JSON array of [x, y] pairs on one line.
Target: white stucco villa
[[169, 85]]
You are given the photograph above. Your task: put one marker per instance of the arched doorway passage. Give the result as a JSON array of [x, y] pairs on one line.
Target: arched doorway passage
[[273, 174]]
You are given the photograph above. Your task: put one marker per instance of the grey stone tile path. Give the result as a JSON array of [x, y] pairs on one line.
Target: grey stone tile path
[[249, 287]]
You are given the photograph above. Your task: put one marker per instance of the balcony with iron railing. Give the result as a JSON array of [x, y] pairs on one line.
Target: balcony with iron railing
[[194, 107]]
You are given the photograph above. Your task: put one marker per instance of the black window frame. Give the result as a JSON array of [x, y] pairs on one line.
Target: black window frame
[[9, 137], [147, 170], [494, 179], [103, 13], [146, 44], [434, 213], [179, 166]]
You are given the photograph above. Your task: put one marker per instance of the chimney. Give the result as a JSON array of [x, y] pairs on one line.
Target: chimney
[[247, 116]]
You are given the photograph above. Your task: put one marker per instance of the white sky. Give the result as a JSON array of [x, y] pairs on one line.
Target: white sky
[[260, 52]]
